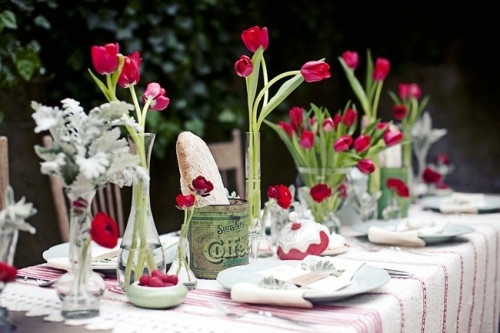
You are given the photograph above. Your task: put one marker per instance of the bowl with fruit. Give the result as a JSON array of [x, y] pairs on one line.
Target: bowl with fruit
[[156, 291]]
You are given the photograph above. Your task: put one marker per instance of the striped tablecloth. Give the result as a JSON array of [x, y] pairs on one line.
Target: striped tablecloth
[[455, 289]]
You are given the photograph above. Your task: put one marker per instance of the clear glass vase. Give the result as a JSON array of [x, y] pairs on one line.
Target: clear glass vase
[[80, 289], [8, 241], [325, 211], [181, 266], [253, 193], [140, 251]]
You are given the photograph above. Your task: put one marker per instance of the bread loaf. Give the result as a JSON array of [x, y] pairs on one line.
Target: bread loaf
[[195, 159]]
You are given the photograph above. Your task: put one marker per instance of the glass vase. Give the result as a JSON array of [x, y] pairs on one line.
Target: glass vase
[[324, 211], [181, 266], [80, 289], [140, 250], [8, 241], [253, 195]]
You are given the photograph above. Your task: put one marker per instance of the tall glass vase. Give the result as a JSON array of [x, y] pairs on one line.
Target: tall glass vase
[[8, 241], [253, 195], [140, 249], [80, 289]]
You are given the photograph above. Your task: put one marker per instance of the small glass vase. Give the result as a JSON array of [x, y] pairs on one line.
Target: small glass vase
[[253, 193], [140, 251], [80, 289], [324, 212], [8, 241], [181, 266]]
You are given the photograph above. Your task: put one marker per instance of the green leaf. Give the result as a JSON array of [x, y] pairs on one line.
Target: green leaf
[[8, 19]]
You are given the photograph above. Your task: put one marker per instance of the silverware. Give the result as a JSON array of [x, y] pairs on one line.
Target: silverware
[[398, 273]]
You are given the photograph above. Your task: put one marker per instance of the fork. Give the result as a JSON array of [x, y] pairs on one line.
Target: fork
[[267, 314]]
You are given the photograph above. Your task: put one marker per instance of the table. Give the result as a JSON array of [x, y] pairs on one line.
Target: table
[[454, 289]]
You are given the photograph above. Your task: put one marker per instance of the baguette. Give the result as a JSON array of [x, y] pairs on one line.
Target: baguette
[[195, 159]]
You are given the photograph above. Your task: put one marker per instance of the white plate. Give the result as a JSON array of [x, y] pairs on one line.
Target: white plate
[[449, 232], [490, 204], [366, 279], [57, 255], [334, 252]]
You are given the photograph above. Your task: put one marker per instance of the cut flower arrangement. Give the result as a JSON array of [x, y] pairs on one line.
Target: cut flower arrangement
[[325, 147], [260, 104], [124, 71]]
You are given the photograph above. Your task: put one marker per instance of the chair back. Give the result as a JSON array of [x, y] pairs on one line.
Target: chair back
[[107, 200], [229, 159], [4, 169]]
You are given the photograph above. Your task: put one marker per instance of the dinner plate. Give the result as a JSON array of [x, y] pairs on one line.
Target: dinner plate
[[490, 204], [57, 255], [366, 279], [449, 232]]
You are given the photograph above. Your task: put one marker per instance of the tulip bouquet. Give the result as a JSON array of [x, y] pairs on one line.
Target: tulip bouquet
[[260, 104], [324, 147], [369, 95], [124, 71], [407, 109]]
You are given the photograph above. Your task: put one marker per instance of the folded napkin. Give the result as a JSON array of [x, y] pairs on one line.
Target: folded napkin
[[457, 202], [401, 238], [406, 233], [313, 274], [251, 293]]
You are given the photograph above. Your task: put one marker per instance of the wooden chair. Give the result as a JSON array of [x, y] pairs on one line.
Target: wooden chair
[[4, 169], [229, 158], [107, 199]]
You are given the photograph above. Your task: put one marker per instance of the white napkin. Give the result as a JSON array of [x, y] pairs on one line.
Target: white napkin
[[252, 293], [462, 203], [401, 238]]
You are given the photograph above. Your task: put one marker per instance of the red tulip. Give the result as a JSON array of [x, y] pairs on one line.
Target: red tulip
[[366, 166], [392, 137], [381, 70], [307, 139], [243, 66], [281, 194], [157, 94], [349, 118], [399, 111], [351, 59], [328, 125], [255, 37], [343, 143], [362, 143], [320, 192], [104, 230], [184, 201], [286, 127], [130, 73], [314, 71], [105, 58], [399, 186], [409, 90], [431, 176], [296, 115], [201, 186], [7, 272]]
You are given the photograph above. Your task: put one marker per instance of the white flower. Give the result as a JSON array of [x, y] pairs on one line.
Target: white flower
[[14, 214], [87, 149]]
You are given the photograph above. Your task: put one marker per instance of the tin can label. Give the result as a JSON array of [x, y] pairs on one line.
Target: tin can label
[[218, 238]]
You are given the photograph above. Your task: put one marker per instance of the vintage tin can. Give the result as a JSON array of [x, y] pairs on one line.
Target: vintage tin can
[[218, 238]]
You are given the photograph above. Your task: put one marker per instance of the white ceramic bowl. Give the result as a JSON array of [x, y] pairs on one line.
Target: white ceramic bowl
[[156, 297]]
